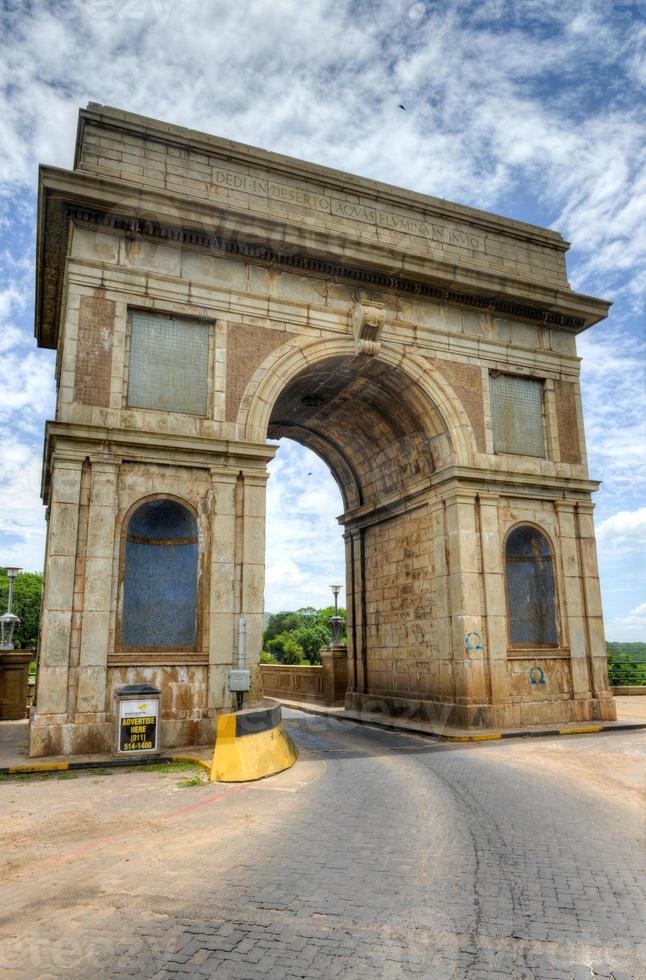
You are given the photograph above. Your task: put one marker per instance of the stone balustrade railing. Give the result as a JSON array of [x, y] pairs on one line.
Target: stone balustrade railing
[[325, 684]]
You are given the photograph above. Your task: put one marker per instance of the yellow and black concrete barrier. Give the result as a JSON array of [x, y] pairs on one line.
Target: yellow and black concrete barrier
[[251, 744]]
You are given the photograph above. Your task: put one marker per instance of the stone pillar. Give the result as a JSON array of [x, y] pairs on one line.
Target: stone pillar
[[495, 639], [97, 592], [252, 570], [50, 712], [334, 661], [349, 612], [472, 694], [441, 640], [222, 593], [605, 704], [355, 611], [573, 626]]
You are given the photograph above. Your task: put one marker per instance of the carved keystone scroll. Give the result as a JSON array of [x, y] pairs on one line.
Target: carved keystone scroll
[[367, 321]]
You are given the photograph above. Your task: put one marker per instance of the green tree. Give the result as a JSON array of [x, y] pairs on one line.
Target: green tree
[[307, 627], [281, 622], [27, 591], [312, 639], [284, 648]]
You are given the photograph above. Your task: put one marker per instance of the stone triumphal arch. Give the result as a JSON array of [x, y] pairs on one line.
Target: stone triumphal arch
[[203, 296]]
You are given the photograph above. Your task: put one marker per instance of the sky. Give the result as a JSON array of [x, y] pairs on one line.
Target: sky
[[530, 108]]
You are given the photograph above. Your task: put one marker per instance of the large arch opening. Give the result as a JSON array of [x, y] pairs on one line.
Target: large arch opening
[[304, 543], [371, 423], [374, 425]]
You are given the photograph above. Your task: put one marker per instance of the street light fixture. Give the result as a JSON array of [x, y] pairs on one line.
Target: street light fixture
[[336, 622], [336, 589], [9, 622]]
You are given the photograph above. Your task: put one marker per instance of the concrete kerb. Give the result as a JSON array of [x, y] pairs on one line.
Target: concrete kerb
[[250, 744], [108, 763], [412, 728], [393, 725]]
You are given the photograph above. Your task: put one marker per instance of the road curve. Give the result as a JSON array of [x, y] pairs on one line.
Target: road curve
[[378, 855]]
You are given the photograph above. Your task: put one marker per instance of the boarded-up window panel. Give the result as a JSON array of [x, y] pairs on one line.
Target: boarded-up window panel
[[466, 381], [160, 578], [168, 366], [93, 374], [517, 415], [530, 589], [247, 348], [568, 423]]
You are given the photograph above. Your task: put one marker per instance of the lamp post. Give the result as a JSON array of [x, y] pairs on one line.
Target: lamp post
[[8, 622], [336, 622]]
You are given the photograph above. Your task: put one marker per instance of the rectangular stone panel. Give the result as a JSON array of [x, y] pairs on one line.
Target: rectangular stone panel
[[247, 347], [466, 381], [517, 415], [92, 376], [568, 423], [168, 366]]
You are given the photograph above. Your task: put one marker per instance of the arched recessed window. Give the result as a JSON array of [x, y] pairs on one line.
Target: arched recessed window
[[531, 600], [160, 578]]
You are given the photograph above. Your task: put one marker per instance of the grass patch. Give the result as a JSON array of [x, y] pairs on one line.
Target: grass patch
[[22, 777], [195, 780], [182, 766], [163, 768]]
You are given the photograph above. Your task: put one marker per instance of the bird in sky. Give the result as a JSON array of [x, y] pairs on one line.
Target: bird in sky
[[400, 106]]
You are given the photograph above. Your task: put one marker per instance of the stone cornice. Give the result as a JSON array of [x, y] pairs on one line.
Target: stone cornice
[[453, 481], [75, 442], [192, 237], [144, 213], [119, 121]]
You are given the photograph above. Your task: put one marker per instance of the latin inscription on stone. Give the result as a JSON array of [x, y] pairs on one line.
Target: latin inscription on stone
[[415, 226]]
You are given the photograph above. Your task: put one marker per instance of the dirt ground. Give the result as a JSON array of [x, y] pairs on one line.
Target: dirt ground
[[377, 854]]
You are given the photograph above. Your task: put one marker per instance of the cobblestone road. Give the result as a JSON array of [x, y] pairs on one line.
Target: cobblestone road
[[378, 855]]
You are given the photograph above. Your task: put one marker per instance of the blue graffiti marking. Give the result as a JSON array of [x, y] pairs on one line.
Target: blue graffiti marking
[[472, 641], [536, 675]]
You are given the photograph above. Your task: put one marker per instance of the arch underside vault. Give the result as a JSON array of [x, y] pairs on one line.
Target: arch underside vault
[[369, 421]]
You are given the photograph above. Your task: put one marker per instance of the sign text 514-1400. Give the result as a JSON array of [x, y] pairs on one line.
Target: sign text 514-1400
[[137, 733]]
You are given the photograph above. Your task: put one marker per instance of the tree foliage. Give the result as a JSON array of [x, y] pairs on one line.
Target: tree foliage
[[634, 652], [27, 591], [285, 650], [626, 664], [306, 628]]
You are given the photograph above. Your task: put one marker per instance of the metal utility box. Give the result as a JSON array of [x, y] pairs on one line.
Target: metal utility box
[[137, 715], [239, 680]]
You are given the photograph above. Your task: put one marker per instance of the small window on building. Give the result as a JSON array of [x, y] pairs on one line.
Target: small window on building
[[531, 602], [168, 365], [517, 414], [160, 578]]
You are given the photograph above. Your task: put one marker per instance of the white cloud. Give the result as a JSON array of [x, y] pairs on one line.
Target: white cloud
[[548, 132], [631, 626], [305, 550], [623, 532], [22, 529], [614, 401], [323, 80]]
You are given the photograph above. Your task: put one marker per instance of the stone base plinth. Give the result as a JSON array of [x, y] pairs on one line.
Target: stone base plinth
[[14, 684], [96, 734], [334, 661], [483, 716]]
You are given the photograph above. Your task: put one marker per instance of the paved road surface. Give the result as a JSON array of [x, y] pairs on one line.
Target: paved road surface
[[377, 855]]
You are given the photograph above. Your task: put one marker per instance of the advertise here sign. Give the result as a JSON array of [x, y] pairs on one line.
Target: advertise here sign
[[138, 725]]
